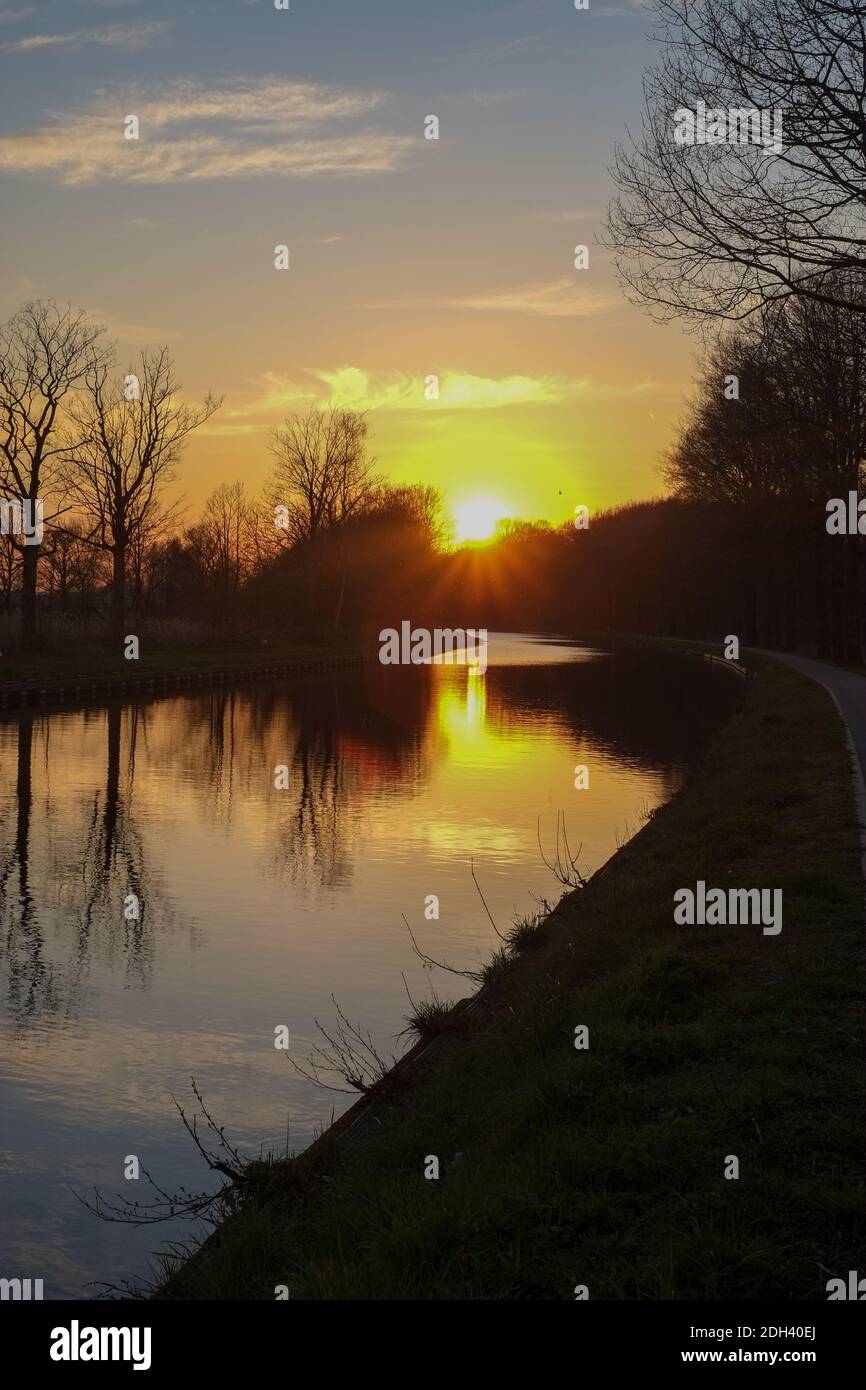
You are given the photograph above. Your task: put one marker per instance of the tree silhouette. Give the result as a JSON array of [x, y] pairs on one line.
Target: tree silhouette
[[45, 354], [718, 230]]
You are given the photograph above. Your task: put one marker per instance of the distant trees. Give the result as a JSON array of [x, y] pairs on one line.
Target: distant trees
[[322, 476], [796, 428], [381, 559], [329, 546], [72, 566], [10, 569], [389, 560], [418, 506], [312, 553], [322, 481], [224, 545], [819, 347], [147, 543], [718, 230], [735, 450], [672, 566], [793, 438]]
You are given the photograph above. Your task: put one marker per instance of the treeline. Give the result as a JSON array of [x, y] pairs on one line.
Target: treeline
[[96, 448], [775, 430], [674, 567]]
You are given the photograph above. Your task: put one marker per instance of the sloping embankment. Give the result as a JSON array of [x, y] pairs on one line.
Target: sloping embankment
[[605, 1167], [162, 677]]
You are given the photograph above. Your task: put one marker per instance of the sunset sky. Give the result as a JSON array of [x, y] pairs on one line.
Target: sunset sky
[[409, 256]]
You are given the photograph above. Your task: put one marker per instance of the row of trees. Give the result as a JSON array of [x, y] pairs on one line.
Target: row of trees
[[98, 450], [776, 428], [762, 246], [773, 458]]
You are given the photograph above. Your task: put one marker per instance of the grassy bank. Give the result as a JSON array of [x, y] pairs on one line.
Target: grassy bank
[[95, 659], [605, 1167]]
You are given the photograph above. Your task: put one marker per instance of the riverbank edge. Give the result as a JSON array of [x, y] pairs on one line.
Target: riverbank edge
[[155, 678], [296, 1181]]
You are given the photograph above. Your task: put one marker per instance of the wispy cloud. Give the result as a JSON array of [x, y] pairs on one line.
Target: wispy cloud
[[486, 97], [516, 47], [111, 36], [354, 388], [14, 14], [192, 132], [555, 299], [270, 103], [216, 428]]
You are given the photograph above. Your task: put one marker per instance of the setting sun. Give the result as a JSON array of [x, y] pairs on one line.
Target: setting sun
[[476, 519]]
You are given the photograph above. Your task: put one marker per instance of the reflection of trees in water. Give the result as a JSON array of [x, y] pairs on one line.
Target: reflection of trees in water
[[31, 985], [347, 739], [344, 751], [76, 872], [340, 747], [310, 837], [114, 865], [648, 710]]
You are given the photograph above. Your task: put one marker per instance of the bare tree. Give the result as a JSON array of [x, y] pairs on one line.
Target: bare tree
[[420, 506], [45, 353], [222, 539], [125, 440], [10, 569], [797, 429], [794, 438], [321, 480], [160, 523], [71, 564], [716, 230], [263, 537], [321, 476], [820, 348]]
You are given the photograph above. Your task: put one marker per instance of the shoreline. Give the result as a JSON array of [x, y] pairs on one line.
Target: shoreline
[[159, 676], [716, 993]]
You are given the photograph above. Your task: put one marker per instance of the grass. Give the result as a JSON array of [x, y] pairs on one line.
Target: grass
[[98, 658], [434, 1018], [605, 1166], [526, 934]]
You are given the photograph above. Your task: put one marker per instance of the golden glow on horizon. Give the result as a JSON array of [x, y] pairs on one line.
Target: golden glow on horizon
[[477, 518]]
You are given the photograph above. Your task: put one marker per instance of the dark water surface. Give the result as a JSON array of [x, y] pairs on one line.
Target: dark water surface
[[258, 904]]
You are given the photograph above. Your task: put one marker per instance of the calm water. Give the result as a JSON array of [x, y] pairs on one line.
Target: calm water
[[259, 904]]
